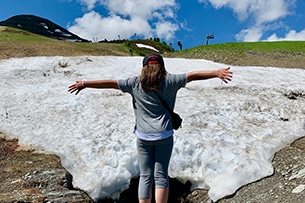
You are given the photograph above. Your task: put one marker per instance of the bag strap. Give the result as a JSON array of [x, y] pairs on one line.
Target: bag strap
[[164, 103]]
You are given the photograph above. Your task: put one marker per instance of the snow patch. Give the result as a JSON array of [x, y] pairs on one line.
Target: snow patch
[[229, 136], [147, 47]]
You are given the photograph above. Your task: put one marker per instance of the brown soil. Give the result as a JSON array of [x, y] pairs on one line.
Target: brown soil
[[15, 164], [279, 187]]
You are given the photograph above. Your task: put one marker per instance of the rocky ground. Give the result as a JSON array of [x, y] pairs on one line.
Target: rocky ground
[[27, 176]]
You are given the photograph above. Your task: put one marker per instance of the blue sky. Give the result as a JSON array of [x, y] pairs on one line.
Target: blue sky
[[188, 21]]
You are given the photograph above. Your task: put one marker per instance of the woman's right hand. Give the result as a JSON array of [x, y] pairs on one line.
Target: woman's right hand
[[77, 86], [225, 74]]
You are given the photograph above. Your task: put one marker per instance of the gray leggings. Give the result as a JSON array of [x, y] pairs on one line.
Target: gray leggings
[[154, 159]]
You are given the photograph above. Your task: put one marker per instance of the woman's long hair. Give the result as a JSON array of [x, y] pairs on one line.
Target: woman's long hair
[[151, 76]]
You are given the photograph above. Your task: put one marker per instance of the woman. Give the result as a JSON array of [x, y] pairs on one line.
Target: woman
[[153, 122]]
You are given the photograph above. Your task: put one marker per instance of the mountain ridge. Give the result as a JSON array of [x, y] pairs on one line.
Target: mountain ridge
[[41, 26]]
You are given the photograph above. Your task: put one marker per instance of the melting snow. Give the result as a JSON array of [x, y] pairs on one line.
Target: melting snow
[[229, 136]]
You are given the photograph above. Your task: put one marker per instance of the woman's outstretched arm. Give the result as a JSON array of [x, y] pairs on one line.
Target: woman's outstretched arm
[[224, 74], [101, 84]]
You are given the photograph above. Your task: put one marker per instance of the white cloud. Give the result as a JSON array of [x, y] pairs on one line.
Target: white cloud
[[166, 30], [271, 10], [260, 13], [250, 35], [92, 25], [126, 17], [88, 3], [292, 35], [238, 7], [160, 9]]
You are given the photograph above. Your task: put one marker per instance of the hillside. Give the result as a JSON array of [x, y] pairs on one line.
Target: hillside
[[289, 54], [20, 43], [42, 27]]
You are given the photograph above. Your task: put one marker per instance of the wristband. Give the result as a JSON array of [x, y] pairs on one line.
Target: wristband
[[83, 83]]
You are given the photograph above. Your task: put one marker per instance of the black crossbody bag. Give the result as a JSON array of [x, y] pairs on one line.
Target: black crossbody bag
[[176, 119]]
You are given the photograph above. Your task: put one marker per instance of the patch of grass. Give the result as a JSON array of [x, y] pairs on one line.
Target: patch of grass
[[19, 43], [16, 35], [290, 54], [242, 47]]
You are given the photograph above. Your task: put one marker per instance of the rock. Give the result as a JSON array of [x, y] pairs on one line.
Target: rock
[[300, 174], [298, 189], [48, 186], [32, 177]]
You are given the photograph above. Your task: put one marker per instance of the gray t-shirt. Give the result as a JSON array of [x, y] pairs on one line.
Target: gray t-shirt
[[151, 116]]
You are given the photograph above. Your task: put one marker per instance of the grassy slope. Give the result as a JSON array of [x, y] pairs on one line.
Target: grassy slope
[[18, 43], [279, 54]]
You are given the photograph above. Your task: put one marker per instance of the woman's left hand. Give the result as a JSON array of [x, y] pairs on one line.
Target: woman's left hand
[[77, 86]]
